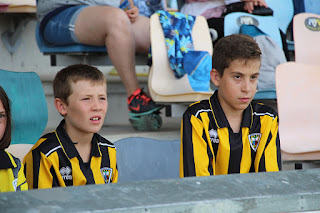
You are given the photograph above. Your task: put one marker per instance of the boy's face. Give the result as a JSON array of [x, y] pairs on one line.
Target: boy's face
[[87, 107], [238, 84]]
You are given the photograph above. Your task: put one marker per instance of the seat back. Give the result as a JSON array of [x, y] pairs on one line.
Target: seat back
[[28, 105], [297, 87], [282, 11], [267, 24], [312, 6], [306, 34], [163, 85], [141, 158], [28, 108]]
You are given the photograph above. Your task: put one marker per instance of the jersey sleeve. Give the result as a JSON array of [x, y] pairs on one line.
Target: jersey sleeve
[[39, 170], [194, 160], [272, 151]]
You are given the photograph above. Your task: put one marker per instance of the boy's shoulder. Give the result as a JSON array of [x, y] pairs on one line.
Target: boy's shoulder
[[198, 106], [262, 109], [46, 143], [103, 142]]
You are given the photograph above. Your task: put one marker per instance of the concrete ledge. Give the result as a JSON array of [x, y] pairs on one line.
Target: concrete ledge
[[286, 191]]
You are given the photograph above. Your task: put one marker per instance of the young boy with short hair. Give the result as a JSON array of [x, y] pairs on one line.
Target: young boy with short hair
[[228, 133], [74, 154]]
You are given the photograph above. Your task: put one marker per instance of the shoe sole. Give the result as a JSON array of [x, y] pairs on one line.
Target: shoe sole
[[133, 114]]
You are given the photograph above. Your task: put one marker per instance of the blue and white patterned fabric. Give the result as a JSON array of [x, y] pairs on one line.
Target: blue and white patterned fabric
[[177, 28]]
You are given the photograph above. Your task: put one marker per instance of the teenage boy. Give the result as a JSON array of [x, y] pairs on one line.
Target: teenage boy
[[228, 133], [74, 154]]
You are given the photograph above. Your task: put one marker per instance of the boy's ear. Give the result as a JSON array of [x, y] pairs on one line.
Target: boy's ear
[[60, 106], [215, 77]]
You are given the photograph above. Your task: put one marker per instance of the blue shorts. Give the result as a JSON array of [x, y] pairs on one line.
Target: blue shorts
[[59, 29]]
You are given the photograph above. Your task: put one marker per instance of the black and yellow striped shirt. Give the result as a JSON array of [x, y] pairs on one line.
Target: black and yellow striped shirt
[[11, 173], [54, 161], [209, 146]]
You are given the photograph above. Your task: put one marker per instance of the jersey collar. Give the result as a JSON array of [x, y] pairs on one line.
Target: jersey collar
[[6, 161], [221, 119], [68, 145]]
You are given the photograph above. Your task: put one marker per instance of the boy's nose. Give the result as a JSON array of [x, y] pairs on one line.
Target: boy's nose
[[246, 86], [96, 105]]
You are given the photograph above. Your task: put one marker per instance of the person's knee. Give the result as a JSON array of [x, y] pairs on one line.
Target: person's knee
[[119, 19]]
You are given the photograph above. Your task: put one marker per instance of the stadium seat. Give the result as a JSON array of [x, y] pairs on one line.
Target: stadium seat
[[28, 108], [268, 25], [282, 12], [306, 34], [163, 85], [298, 110], [49, 49], [141, 158], [312, 6]]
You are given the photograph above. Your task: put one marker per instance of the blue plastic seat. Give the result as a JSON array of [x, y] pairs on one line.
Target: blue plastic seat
[[28, 105], [48, 49], [282, 12], [141, 158]]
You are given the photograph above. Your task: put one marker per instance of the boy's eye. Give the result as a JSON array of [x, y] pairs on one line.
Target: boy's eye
[[86, 99], [237, 76], [254, 77], [102, 98]]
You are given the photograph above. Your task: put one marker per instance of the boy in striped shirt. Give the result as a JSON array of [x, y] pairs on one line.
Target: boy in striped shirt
[[228, 133], [74, 154]]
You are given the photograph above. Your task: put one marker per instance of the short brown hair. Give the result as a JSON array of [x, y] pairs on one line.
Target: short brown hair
[[6, 139], [74, 73], [233, 47]]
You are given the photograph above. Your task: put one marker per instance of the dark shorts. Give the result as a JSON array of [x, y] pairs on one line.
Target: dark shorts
[[59, 28]]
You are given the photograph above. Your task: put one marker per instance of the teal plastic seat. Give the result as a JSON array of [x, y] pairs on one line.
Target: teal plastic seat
[[28, 105]]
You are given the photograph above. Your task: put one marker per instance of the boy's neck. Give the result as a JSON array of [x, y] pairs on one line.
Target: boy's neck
[[235, 122], [233, 116], [82, 142], [78, 137]]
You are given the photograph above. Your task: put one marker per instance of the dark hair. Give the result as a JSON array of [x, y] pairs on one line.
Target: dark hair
[[74, 73], [233, 47], [6, 139]]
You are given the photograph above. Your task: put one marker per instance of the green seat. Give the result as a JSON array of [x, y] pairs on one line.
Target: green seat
[[28, 105]]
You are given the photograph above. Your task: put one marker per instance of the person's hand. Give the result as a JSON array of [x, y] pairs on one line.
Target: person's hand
[[133, 13], [250, 4]]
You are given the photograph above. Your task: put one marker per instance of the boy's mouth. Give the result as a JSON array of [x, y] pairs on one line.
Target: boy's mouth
[[95, 118], [244, 100]]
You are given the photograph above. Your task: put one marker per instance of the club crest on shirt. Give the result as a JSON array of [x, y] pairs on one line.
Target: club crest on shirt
[[106, 174], [254, 140], [214, 136]]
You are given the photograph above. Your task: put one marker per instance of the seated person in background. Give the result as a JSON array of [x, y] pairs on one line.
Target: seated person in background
[[74, 154], [228, 133], [214, 11], [11, 170], [102, 23]]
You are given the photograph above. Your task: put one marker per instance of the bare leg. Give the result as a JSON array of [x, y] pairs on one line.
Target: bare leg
[[110, 26]]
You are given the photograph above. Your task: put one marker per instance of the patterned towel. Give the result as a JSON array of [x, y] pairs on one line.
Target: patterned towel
[[177, 28]]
